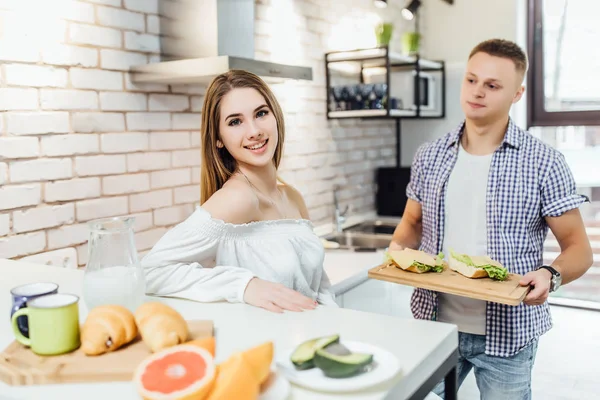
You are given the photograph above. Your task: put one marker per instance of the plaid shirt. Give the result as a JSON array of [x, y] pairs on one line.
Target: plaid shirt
[[528, 181]]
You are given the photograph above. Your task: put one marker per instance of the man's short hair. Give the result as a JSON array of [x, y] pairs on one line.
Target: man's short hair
[[504, 49]]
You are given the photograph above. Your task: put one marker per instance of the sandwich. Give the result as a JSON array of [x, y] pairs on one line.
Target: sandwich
[[416, 261], [477, 266]]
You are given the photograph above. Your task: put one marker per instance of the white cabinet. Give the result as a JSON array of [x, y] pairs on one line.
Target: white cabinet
[[378, 297]]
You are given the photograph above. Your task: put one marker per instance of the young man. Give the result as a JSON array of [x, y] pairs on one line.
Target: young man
[[489, 188]]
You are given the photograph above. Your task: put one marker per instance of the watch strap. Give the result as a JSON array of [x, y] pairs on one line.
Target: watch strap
[[552, 270]]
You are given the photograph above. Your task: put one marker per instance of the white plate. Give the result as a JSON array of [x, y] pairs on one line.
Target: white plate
[[275, 388], [385, 366]]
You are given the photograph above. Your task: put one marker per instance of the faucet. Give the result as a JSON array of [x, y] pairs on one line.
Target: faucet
[[340, 215]]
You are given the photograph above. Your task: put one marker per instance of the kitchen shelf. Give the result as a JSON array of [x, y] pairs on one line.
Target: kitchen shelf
[[380, 66], [381, 113], [373, 58]]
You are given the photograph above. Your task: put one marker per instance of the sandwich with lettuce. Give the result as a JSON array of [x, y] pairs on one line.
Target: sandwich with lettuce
[[415, 261], [477, 266]]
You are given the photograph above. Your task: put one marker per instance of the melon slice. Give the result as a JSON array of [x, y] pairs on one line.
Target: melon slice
[[260, 358], [182, 372], [235, 380], [207, 343]]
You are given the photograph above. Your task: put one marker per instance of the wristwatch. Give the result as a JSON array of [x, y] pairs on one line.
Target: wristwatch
[[556, 278]]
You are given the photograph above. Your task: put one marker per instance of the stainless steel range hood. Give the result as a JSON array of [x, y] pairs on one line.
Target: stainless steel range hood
[[203, 38]]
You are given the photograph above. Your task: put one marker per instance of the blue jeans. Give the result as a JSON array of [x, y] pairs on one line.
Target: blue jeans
[[498, 378]]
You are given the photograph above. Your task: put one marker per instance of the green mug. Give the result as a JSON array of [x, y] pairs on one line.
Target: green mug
[[53, 324]]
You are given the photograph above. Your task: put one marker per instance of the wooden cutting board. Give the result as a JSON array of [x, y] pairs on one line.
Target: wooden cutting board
[[20, 366], [504, 292]]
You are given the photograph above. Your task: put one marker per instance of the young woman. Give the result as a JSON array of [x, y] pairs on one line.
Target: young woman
[[251, 240]]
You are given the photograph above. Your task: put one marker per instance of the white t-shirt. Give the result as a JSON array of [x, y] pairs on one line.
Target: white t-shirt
[[465, 231]]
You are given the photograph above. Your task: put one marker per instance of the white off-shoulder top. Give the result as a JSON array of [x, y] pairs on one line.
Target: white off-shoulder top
[[206, 259]]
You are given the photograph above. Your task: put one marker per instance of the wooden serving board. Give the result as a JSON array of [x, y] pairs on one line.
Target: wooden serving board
[[20, 366], [504, 292]]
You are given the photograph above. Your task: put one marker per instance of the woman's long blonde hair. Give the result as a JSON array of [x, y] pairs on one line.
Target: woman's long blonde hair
[[217, 164]]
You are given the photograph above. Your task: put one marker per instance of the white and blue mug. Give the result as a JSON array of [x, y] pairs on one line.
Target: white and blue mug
[[22, 294]]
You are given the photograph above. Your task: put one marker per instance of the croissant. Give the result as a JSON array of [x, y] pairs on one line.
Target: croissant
[[160, 325], [107, 328]]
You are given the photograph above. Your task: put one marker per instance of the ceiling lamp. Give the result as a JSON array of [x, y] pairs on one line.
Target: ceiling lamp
[[380, 3], [410, 10]]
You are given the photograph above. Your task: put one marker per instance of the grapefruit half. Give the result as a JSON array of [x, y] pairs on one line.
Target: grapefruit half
[[182, 372]]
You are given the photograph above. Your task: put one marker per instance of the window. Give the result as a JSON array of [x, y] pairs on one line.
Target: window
[[564, 73], [563, 104]]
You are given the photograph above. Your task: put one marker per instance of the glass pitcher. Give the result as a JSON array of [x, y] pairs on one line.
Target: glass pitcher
[[113, 274]]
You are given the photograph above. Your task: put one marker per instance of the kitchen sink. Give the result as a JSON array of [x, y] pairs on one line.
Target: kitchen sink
[[373, 227], [360, 241]]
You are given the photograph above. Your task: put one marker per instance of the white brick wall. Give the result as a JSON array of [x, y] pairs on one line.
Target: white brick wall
[[150, 200], [100, 165], [4, 224], [67, 145], [121, 60], [96, 79], [95, 35], [153, 24], [124, 184], [117, 101], [73, 189], [116, 18], [15, 196], [145, 6], [98, 122], [42, 169], [34, 75], [20, 245], [143, 221], [145, 240], [3, 173], [18, 99], [123, 142], [37, 123], [148, 161], [169, 140], [187, 194], [142, 42], [101, 208], [169, 102], [68, 99], [196, 175], [68, 235], [186, 121], [186, 158], [63, 258], [77, 134], [19, 147], [38, 218], [60, 54], [116, 3], [12, 51], [148, 121], [172, 215], [170, 178]]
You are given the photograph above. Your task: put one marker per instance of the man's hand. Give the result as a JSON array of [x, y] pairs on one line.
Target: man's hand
[[540, 280]]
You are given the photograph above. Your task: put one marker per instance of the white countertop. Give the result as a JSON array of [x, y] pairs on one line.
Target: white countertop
[[421, 346], [347, 268]]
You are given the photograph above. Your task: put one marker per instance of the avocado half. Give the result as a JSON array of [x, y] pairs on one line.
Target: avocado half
[[341, 366], [303, 355]]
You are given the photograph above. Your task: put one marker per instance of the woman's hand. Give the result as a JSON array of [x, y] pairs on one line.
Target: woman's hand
[[276, 297]]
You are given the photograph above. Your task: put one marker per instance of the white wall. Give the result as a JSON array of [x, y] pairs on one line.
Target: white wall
[[449, 33]]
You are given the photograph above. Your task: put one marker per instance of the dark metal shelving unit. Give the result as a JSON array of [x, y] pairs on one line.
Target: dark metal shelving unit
[[382, 57]]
